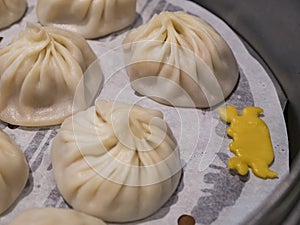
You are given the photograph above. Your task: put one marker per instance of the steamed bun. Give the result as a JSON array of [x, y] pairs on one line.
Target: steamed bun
[[92, 19], [41, 72], [51, 216], [11, 11], [179, 59], [116, 161], [13, 172]]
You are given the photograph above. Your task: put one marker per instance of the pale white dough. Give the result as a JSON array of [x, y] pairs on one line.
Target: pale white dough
[[116, 161], [91, 18], [11, 11], [54, 216], [41, 73], [13, 172], [179, 59]]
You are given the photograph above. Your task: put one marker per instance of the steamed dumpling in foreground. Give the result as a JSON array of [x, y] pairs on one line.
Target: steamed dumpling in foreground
[[41, 73], [54, 216], [11, 11], [91, 19], [13, 172], [178, 59], [116, 161]]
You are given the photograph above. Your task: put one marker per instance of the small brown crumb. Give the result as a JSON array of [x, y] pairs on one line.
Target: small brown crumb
[[186, 220]]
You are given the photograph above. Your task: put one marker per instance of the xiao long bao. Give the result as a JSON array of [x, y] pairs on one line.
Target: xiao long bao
[[14, 172], [41, 72], [179, 59], [91, 19], [54, 216], [11, 11], [116, 161]]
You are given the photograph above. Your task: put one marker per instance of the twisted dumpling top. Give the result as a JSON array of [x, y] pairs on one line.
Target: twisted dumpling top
[[116, 161], [41, 71], [179, 59], [92, 19]]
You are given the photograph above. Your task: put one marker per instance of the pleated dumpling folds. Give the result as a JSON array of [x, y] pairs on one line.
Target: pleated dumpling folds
[[91, 19], [179, 59], [57, 216], [116, 161], [11, 11], [14, 172], [46, 74]]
